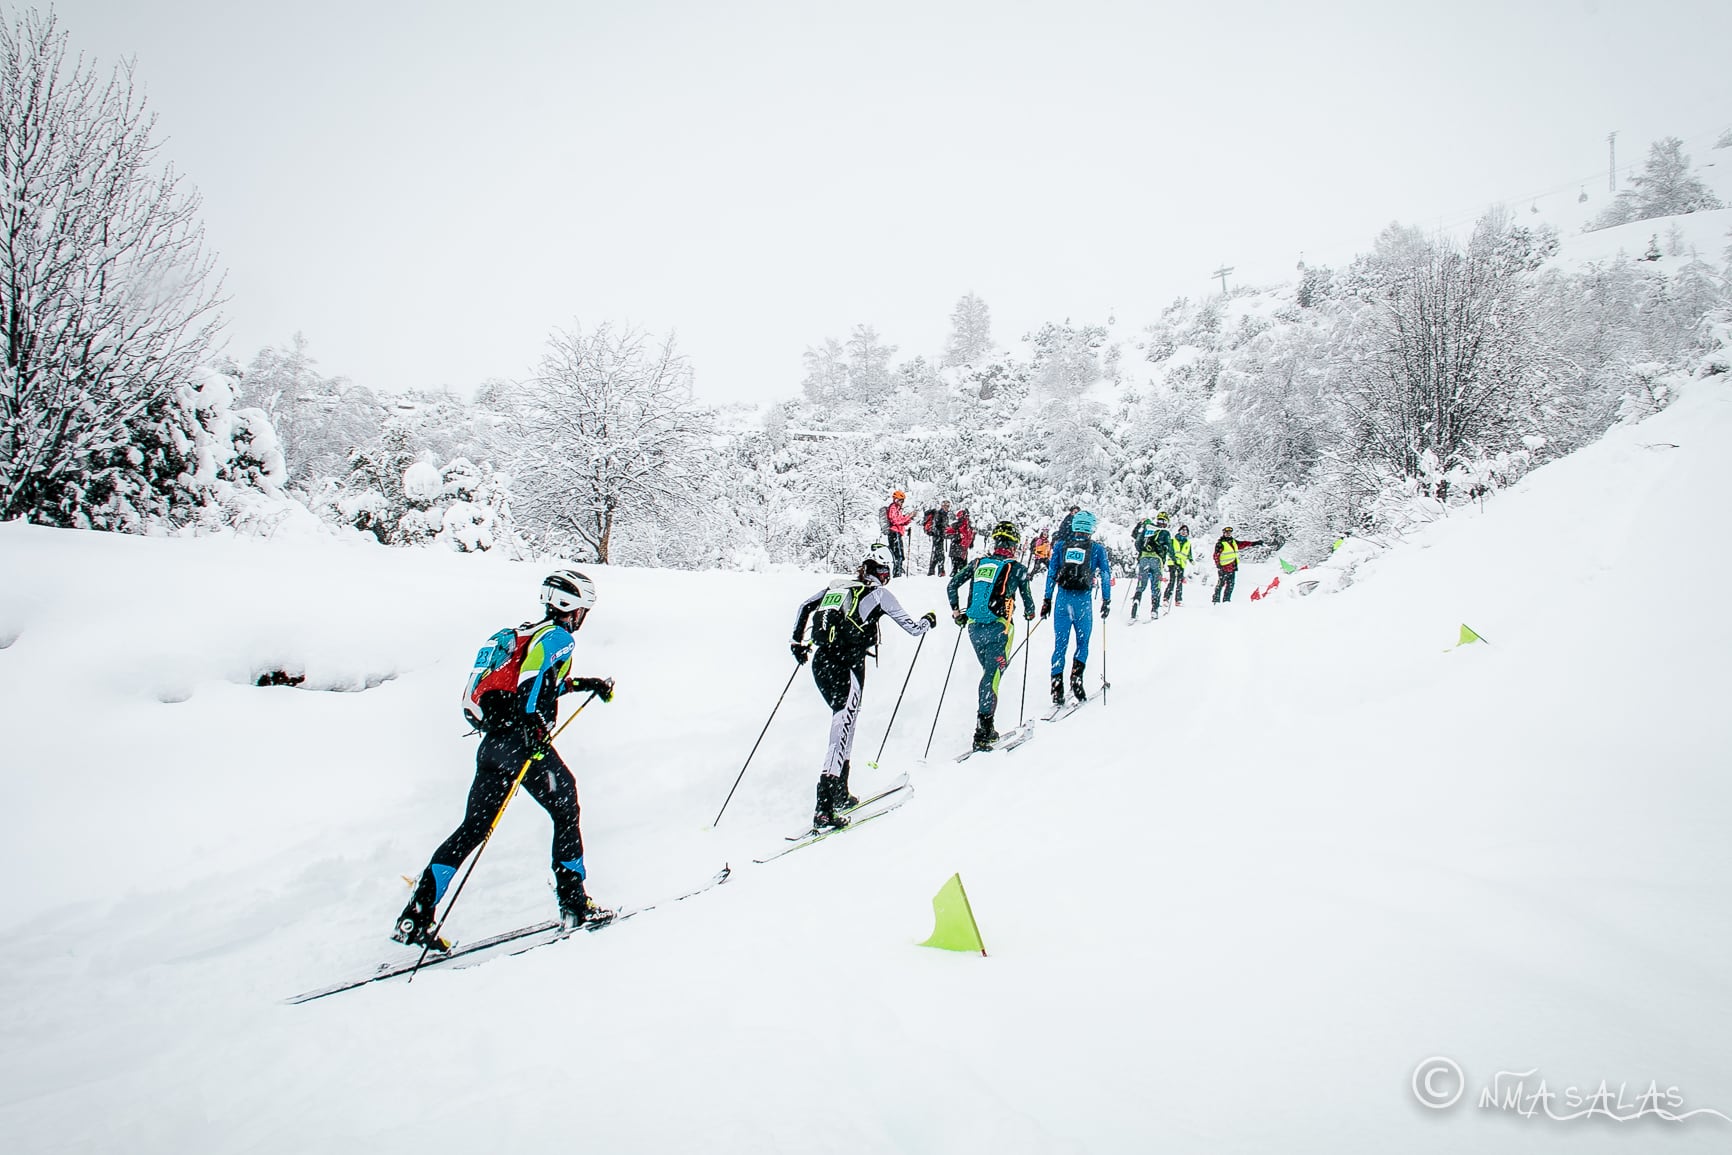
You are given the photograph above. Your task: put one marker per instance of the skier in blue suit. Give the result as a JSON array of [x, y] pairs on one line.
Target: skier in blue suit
[[1076, 560]]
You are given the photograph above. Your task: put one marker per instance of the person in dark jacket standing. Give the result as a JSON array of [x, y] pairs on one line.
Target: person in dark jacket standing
[[937, 526], [1227, 564], [844, 620], [515, 721], [1064, 526], [961, 540]]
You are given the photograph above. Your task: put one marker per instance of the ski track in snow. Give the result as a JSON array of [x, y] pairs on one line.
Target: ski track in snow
[[1304, 845]]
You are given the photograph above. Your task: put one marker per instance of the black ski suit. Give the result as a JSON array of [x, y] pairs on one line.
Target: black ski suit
[[515, 730]]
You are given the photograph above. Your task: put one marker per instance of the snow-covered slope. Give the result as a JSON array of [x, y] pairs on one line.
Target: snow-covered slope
[[1302, 846]]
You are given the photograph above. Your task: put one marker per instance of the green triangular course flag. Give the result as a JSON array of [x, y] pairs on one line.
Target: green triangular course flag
[[1287, 566], [1468, 635], [953, 919]]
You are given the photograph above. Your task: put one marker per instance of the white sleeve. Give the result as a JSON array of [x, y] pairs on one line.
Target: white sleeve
[[883, 600]]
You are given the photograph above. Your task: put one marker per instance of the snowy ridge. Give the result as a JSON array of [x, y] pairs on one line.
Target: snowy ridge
[[1300, 849]]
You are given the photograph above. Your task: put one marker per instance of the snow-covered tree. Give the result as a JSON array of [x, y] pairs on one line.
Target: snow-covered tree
[[970, 331], [320, 420], [1445, 354], [868, 360], [826, 381], [373, 497], [107, 300], [1065, 361], [1665, 187], [607, 429]]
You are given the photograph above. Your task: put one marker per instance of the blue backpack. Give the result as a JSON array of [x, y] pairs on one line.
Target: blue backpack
[[990, 591]]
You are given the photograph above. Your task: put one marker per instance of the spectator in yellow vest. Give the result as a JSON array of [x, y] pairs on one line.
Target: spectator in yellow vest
[[1227, 564], [1178, 557]]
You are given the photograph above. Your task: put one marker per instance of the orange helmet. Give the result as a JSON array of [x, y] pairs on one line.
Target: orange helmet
[[898, 495]]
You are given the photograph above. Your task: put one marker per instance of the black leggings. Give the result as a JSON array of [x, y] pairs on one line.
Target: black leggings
[[547, 781]]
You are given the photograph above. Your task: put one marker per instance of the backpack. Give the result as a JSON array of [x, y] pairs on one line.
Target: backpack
[[836, 623], [1073, 570], [496, 669], [926, 522], [991, 589]]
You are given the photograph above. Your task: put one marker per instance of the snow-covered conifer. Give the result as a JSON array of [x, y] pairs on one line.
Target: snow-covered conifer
[[106, 290]]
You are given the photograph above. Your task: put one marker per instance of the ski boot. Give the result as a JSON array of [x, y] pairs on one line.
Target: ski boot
[[588, 916], [985, 733], [415, 928], [845, 799], [576, 908], [1058, 689], [824, 816], [1076, 681]]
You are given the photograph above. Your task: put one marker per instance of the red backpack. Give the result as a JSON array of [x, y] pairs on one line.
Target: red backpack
[[496, 669], [926, 522]]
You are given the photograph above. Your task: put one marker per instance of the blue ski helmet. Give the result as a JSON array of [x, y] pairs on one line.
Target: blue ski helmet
[[1083, 522]]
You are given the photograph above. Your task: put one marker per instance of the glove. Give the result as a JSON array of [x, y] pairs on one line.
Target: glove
[[1106, 608], [930, 618], [1029, 616], [801, 652], [960, 617], [600, 687], [1046, 608]]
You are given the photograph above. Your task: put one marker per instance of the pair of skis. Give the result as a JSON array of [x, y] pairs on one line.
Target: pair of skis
[[527, 938], [511, 942], [873, 806], [1067, 709], [1007, 741], [540, 934]]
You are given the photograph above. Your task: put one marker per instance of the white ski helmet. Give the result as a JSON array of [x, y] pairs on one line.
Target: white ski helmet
[[878, 558], [567, 591]]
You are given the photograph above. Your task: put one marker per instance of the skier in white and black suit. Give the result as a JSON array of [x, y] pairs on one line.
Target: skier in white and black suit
[[844, 619]]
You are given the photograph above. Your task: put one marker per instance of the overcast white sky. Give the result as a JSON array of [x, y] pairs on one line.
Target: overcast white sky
[[426, 189]]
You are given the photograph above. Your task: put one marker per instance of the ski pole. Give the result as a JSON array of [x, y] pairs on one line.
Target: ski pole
[[756, 744], [898, 706], [492, 826], [1022, 707], [953, 649], [1024, 642], [1104, 682]]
